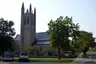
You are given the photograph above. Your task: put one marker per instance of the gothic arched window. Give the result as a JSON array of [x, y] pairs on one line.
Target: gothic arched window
[[27, 20]]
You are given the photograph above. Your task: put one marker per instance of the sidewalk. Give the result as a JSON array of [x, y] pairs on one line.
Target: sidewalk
[[82, 60], [4, 63]]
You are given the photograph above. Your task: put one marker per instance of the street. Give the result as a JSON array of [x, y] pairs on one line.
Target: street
[[41, 63]]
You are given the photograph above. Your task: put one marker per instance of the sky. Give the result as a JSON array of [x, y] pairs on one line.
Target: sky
[[82, 11]]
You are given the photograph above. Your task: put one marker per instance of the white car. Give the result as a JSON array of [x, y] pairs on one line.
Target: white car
[[23, 57]]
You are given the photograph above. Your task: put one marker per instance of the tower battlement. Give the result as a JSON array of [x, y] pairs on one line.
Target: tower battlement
[[27, 10]]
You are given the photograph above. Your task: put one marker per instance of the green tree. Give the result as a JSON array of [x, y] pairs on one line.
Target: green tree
[[32, 50], [60, 30], [49, 50], [6, 35], [84, 41]]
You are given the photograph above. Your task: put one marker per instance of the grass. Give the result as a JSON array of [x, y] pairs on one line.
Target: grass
[[16, 59], [48, 59], [51, 59]]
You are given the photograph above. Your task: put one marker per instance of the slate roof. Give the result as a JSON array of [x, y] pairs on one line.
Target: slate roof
[[43, 43], [41, 37], [17, 37]]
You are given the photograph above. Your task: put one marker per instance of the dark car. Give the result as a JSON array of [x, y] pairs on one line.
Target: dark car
[[7, 56]]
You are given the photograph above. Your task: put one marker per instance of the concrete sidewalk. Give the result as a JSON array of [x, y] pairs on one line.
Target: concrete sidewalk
[[4, 63], [80, 59]]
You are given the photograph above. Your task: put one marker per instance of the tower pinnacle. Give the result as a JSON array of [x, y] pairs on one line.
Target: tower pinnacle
[[34, 11], [30, 8], [22, 9]]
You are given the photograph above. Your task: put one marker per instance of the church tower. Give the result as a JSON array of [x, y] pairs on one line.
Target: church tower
[[28, 27]]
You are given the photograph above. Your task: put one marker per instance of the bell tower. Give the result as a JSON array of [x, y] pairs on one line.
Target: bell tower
[[28, 27]]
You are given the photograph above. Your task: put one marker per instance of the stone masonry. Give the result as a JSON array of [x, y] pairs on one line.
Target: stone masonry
[[28, 27]]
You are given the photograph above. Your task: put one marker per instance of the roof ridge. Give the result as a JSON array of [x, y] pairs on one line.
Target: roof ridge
[[41, 32]]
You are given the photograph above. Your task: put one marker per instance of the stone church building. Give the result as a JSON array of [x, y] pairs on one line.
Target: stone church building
[[28, 35]]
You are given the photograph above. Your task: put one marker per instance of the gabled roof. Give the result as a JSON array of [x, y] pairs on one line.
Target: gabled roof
[[43, 43], [17, 37], [39, 36], [42, 36]]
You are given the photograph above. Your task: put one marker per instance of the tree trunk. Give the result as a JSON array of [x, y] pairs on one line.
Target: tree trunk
[[59, 56]]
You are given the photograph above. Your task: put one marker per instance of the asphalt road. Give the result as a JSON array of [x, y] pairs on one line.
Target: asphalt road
[[40, 63]]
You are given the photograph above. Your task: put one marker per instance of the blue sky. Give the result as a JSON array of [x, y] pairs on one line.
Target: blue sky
[[82, 11]]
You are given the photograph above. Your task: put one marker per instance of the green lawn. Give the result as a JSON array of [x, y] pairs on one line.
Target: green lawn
[[50, 59]]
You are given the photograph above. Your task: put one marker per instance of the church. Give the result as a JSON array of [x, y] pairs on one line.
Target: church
[[29, 38], [28, 35]]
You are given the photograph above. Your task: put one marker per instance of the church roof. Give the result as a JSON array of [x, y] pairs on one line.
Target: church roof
[[17, 37], [43, 43], [42, 36], [39, 36]]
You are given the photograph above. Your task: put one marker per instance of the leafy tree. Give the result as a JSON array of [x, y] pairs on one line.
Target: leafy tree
[[92, 44], [84, 41], [49, 50], [6, 35], [60, 30], [31, 50]]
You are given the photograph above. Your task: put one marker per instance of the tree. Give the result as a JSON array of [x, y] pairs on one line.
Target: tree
[[33, 50], [6, 35], [49, 50], [60, 30], [84, 41]]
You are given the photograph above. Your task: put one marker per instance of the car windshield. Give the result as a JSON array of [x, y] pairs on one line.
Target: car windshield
[[23, 54], [8, 55]]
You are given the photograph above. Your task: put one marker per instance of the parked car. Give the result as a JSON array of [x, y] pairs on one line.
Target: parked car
[[23, 57], [7, 56]]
